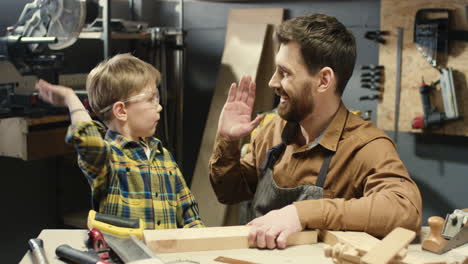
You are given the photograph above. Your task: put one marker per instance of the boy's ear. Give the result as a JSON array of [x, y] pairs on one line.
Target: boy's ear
[[119, 111], [326, 79]]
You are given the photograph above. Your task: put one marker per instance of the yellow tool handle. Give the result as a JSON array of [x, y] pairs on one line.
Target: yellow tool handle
[[116, 226]]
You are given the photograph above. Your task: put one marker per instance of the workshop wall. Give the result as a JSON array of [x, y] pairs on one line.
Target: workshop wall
[[437, 163], [32, 190]]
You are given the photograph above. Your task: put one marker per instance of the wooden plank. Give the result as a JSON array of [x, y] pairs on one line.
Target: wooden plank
[[401, 14], [48, 119], [389, 247], [211, 238], [244, 45]]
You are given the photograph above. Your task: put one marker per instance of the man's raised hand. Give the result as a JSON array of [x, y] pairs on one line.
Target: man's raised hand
[[235, 120]]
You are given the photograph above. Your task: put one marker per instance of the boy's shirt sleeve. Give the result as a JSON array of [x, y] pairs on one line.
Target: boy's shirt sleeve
[[187, 207], [93, 151]]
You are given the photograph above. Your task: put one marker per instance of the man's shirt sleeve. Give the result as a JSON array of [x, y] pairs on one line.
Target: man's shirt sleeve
[[390, 197], [233, 180]]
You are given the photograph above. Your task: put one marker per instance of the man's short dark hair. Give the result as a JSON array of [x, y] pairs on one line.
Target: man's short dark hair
[[324, 42]]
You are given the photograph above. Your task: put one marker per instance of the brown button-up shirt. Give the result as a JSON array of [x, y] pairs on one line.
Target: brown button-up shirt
[[367, 186]]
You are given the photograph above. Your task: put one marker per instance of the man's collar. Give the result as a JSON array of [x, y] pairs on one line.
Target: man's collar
[[328, 138], [332, 134]]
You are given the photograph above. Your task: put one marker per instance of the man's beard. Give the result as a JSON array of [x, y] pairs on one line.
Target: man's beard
[[295, 111]]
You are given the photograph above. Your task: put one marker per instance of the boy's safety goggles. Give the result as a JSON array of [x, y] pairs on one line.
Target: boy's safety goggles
[[155, 101]]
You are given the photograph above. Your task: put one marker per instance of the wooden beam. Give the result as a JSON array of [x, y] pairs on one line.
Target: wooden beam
[[211, 238], [247, 48]]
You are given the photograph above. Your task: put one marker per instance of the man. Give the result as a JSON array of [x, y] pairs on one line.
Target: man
[[315, 165]]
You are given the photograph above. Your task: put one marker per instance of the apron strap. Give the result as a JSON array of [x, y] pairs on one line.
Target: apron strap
[[324, 169], [272, 156]]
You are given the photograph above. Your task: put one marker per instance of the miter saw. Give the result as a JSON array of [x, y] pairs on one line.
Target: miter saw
[[30, 51]]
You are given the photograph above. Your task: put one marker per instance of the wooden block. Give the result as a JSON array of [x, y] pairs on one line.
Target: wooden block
[[211, 238], [362, 241], [234, 65], [389, 247], [247, 46]]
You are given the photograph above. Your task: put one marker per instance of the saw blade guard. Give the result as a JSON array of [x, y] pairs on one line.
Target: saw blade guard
[[62, 19], [67, 20]]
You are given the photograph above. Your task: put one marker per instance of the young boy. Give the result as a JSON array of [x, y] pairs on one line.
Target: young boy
[[131, 174]]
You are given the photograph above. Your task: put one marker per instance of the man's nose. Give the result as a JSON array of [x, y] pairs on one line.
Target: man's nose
[[274, 81]]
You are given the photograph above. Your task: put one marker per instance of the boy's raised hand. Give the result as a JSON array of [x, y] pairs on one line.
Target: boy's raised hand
[[54, 94], [235, 120]]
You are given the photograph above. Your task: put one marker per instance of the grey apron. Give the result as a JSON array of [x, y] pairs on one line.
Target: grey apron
[[269, 196]]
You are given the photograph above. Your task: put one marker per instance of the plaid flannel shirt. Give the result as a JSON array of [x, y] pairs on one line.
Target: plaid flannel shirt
[[125, 183]]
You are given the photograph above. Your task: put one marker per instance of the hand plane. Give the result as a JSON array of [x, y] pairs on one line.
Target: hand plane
[[448, 234]]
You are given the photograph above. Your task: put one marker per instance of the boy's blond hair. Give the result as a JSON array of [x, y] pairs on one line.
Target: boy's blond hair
[[116, 79]]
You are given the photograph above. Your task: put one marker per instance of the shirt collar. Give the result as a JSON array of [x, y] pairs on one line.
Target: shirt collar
[[332, 134], [328, 138], [124, 143]]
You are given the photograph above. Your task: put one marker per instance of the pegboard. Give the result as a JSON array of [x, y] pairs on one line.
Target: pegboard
[[395, 14]]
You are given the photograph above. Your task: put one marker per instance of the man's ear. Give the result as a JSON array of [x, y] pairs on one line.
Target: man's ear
[[326, 80], [119, 111]]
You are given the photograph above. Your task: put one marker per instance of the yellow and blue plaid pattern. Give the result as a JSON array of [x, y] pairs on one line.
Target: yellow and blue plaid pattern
[[126, 183]]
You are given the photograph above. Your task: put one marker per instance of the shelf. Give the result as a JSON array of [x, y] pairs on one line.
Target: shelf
[[21, 138], [115, 35], [47, 120]]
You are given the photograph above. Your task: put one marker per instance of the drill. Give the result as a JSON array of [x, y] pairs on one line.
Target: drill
[[431, 116]]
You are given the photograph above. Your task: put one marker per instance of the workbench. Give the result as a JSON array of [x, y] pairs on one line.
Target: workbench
[[312, 253]]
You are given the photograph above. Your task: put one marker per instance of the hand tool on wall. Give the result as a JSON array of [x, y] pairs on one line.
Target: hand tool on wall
[[372, 67], [37, 249], [398, 83], [376, 36], [371, 74], [376, 79], [367, 115], [373, 86], [431, 116], [369, 97], [371, 79], [432, 34]]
